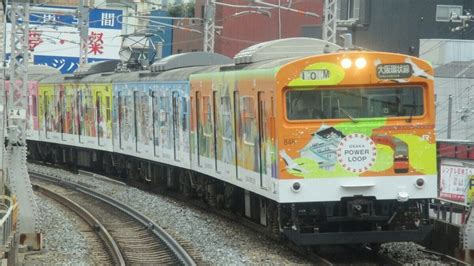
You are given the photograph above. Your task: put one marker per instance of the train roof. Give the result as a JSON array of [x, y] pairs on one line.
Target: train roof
[[179, 67], [37, 72], [284, 48]]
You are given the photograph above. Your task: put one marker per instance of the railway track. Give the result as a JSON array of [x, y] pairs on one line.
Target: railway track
[[127, 236], [326, 255]]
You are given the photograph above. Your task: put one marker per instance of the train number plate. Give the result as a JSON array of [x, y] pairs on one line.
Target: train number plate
[[318, 74]]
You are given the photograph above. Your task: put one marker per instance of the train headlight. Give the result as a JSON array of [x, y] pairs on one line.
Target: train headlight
[[420, 183], [361, 62], [296, 187], [346, 63]]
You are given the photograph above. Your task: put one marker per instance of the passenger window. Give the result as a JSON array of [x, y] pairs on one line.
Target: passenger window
[[184, 114], [225, 107], [34, 106], [207, 111], [248, 117]]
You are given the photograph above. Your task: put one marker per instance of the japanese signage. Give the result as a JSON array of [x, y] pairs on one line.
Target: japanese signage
[[456, 182], [54, 39], [318, 74], [356, 153], [394, 71]]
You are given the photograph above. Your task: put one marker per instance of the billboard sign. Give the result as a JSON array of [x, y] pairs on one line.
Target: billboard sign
[[54, 39], [456, 182]]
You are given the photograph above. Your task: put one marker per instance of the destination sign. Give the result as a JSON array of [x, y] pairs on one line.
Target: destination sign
[[317, 74], [394, 71]]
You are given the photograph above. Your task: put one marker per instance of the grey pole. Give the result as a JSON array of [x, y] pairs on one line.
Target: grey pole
[[279, 19], [450, 111], [83, 27]]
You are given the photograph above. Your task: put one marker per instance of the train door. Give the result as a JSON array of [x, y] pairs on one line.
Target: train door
[[156, 123], [262, 135], [135, 117], [236, 132], [198, 127], [176, 124], [62, 112], [99, 118], [46, 114], [216, 130], [120, 118], [79, 118]]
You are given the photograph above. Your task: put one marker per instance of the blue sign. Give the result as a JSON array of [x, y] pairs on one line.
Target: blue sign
[[63, 64], [98, 18]]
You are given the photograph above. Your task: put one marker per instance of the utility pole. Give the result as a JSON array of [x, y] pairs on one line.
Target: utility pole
[[279, 19], [330, 20], [450, 112], [3, 21], [17, 173], [83, 27], [209, 25]]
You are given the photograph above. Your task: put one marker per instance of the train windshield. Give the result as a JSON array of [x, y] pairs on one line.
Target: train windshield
[[354, 103]]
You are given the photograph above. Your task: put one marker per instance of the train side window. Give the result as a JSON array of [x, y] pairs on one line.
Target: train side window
[[248, 117], [226, 122], [156, 115], [107, 108], [184, 113], [207, 111], [164, 110], [34, 106]]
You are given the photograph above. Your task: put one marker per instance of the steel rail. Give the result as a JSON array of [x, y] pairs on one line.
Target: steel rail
[[444, 256], [97, 226], [159, 232]]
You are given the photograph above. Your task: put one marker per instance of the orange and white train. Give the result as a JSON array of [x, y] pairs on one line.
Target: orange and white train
[[321, 144]]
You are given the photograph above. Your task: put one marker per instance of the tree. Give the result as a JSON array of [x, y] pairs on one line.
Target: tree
[[183, 10]]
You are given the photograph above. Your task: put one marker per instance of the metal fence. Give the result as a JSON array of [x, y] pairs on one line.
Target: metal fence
[[7, 222]]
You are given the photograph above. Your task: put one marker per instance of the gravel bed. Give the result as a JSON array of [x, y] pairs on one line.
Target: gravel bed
[[409, 254], [220, 241], [63, 242]]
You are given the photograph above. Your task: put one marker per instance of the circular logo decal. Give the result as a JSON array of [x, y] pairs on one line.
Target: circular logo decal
[[356, 153]]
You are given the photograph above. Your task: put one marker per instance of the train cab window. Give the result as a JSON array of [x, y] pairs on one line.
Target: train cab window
[[248, 118], [354, 103], [207, 111], [303, 105]]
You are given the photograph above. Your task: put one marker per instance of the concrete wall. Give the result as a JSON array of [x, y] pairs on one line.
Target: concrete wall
[[443, 51]]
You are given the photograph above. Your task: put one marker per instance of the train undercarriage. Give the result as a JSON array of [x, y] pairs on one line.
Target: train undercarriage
[[352, 220]]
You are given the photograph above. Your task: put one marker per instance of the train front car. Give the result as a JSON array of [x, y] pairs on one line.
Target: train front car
[[356, 145]]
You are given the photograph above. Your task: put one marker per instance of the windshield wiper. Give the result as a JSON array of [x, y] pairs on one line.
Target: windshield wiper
[[345, 112], [411, 113], [413, 107]]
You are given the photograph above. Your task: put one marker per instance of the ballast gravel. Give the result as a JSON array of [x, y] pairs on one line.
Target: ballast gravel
[[63, 243], [220, 241]]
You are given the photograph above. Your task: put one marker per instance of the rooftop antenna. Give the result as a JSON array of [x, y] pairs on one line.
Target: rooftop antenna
[[347, 37]]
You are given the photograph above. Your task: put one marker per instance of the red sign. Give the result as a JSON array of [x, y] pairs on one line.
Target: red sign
[[34, 39], [96, 43]]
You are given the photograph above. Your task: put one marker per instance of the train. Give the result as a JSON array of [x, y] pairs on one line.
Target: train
[[312, 142]]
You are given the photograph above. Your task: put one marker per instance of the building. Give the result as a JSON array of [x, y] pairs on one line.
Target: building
[[398, 25], [238, 27], [454, 82]]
